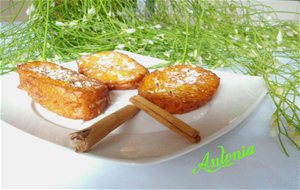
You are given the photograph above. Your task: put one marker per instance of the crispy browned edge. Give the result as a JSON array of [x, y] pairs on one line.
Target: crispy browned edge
[[119, 85], [60, 97]]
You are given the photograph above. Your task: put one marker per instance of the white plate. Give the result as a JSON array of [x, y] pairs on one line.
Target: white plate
[[141, 140]]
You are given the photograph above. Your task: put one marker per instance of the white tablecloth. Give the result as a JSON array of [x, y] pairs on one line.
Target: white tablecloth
[[29, 162]]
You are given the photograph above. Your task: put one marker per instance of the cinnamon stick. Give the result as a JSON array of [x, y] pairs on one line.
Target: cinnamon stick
[[166, 119], [83, 140]]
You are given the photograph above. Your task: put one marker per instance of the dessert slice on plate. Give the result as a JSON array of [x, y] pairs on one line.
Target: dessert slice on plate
[[117, 70], [62, 90]]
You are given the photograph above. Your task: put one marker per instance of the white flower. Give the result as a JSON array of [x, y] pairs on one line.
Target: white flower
[[247, 29], [290, 34], [269, 18], [52, 4], [140, 50], [84, 53], [30, 10], [91, 11], [200, 60], [84, 19], [266, 36], [161, 35], [274, 126], [259, 46], [278, 91], [194, 54], [140, 27], [150, 42], [190, 11], [158, 26], [253, 53], [130, 30], [167, 53], [36, 53], [120, 46], [179, 63], [279, 37], [73, 23], [110, 14], [57, 23], [235, 38], [295, 31], [119, 13], [131, 39], [10, 65], [56, 58]]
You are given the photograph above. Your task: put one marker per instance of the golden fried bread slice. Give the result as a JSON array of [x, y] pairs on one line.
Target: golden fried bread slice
[[116, 70], [62, 90], [179, 89]]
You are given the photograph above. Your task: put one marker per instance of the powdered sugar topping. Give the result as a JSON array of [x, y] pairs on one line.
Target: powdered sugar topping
[[178, 77], [66, 75], [113, 62], [188, 77]]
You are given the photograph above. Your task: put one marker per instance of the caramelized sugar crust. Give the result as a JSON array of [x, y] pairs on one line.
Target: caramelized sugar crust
[[179, 89], [62, 90], [117, 70]]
